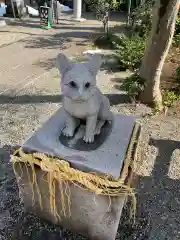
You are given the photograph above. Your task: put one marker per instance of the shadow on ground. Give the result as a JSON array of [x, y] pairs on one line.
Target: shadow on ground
[[32, 23], [47, 64], [26, 33], [115, 99], [66, 32], [49, 42], [109, 61], [67, 19], [159, 195], [28, 99], [56, 40]]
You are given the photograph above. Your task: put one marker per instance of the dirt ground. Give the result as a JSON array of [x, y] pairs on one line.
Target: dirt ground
[[27, 104]]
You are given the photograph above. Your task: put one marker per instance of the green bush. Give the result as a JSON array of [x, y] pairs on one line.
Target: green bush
[[130, 52], [99, 7], [176, 40], [141, 18], [110, 41], [170, 98], [115, 5], [133, 85], [178, 74], [177, 31], [141, 21]]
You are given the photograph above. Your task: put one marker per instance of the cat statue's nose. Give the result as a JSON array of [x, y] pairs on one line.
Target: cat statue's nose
[[80, 93]]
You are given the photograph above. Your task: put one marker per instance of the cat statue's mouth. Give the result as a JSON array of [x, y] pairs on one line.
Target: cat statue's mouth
[[79, 100]]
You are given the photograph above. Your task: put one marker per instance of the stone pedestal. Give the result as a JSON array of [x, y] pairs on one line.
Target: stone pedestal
[[95, 216]]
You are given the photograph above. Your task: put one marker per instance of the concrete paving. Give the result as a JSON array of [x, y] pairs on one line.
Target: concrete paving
[[27, 51]]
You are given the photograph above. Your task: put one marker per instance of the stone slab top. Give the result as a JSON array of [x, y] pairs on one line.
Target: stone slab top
[[108, 158]]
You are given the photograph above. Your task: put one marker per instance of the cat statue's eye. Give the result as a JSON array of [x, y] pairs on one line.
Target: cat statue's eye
[[87, 85], [72, 84]]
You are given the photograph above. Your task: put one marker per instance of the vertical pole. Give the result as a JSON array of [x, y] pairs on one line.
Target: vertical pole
[[52, 9], [77, 6], [57, 13], [12, 5], [129, 11]]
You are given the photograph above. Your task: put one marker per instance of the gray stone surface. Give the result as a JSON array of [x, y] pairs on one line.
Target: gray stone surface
[[2, 23], [107, 159], [94, 216]]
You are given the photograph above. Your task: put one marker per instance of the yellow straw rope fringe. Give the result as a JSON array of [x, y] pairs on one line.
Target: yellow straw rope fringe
[[59, 171]]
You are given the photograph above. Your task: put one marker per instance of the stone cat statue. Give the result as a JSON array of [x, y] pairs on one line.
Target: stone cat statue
[[81, 97]]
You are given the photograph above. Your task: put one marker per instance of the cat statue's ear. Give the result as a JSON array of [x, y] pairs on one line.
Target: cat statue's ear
[[63, 63], [94, 64]]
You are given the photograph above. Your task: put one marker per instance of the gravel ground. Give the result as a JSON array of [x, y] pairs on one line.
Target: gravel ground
[[157, 170]]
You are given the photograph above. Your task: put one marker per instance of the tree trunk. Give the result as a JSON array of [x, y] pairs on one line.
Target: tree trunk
[[163, 26]]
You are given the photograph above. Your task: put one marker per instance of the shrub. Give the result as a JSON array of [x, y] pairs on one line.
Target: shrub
[[176, 40], [130, 52], [133, 85], [141, 18], [170, 98], [99, 7], [177, 31], [178, 74], [110, 41]]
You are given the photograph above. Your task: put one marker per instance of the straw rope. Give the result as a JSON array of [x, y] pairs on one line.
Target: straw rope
[[61, 171]]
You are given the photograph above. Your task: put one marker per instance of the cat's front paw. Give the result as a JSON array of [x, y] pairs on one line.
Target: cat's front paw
[[68, 132], [89, 138]]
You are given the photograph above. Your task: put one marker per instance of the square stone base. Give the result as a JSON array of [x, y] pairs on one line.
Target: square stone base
[[95, 216], [106, 159]]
